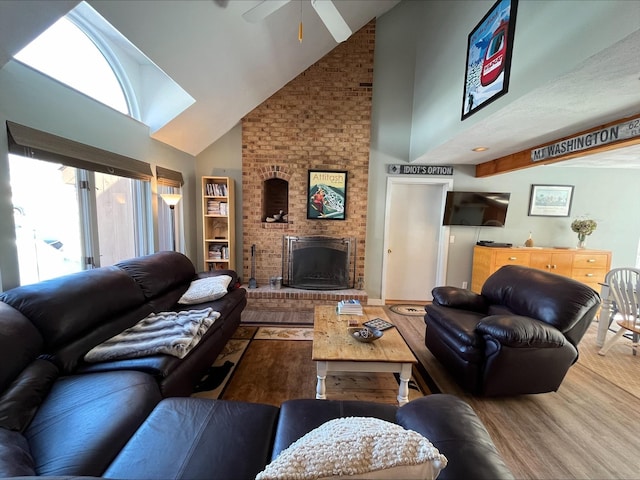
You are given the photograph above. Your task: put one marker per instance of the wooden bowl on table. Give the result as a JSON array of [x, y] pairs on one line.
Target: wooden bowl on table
[[365, 334]]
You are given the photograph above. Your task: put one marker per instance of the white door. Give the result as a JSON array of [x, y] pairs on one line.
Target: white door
[[416, 243]]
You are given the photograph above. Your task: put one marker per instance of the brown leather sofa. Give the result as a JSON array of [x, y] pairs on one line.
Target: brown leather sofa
[[62, 418], [520, 335], [74, 313]]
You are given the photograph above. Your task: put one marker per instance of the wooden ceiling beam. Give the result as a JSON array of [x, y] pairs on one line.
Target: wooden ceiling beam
[[520, 160]]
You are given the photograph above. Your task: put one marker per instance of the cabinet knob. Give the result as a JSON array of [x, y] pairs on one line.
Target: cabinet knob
[[591, 260], [589, 275], [554, 266], [513, 258], [548, 266]]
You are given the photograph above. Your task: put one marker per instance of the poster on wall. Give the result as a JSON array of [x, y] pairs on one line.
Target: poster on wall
[[550, 200], [489, 50], [327, 195]]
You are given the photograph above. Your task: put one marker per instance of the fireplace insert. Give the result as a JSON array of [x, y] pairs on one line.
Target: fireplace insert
[[318, 262]]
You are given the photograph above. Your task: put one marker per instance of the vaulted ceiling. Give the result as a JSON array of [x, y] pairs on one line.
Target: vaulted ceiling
[[230, 66]]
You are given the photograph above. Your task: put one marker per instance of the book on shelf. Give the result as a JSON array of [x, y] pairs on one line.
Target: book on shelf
[[349, 307], [217, 189]]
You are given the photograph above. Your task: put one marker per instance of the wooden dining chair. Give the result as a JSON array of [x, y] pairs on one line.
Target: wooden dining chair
[[624, 294]]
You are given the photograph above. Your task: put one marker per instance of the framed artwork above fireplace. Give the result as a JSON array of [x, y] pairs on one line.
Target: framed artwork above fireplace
[[327, 195]]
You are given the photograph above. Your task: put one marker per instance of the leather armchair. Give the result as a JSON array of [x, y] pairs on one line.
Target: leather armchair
[[520, 335]]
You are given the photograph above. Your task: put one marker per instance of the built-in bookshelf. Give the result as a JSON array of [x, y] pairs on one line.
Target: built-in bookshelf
[[218, 223]]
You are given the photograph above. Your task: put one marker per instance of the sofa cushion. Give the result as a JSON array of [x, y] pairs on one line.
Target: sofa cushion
[[357, 447], [553, 299], [198, 438], [159, 272], [20, 344], [521, 332], [20, 401], [67, 307], [86, 420], [205, 290], [15, 457]]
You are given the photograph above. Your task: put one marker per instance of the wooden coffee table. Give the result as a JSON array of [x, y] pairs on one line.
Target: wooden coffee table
[[334, 350]]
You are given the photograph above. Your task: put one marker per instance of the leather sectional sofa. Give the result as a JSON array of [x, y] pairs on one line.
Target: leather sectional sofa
[[520, 335], [126, 419]]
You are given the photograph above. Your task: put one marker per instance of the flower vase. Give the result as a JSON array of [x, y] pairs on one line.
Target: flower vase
[[582, 240]]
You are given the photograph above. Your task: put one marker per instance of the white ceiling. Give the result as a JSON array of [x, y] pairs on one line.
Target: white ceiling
[[230, 66]]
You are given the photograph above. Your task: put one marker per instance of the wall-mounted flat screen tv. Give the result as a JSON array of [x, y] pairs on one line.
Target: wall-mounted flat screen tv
[[476, 209]]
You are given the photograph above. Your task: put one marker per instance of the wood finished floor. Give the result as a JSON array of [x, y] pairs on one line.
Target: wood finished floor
[[586, 430]]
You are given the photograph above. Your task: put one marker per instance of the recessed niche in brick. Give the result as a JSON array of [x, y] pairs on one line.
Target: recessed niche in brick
[[275, 198]]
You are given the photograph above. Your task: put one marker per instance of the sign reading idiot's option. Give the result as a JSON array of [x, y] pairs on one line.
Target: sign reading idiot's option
[[613, 133], [420, 169]]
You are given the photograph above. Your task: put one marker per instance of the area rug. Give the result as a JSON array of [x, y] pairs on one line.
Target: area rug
[[275, 365], [212, 383], [411, 310], [618, 366]]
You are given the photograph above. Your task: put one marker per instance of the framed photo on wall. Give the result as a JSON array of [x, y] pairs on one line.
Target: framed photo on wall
[[489, 50], [550, 200], [327, 195]]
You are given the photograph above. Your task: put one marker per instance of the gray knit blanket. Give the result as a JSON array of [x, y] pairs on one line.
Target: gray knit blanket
[[170, 333]]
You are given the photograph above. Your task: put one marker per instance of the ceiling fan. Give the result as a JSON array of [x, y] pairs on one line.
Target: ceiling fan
[[325, 9]]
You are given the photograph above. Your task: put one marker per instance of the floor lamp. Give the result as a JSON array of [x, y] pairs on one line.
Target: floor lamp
[[172, 200]]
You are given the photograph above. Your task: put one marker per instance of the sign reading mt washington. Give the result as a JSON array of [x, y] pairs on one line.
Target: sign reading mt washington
[[613, 133]]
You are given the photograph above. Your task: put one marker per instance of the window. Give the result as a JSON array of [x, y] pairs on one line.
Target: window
[[65, 53], [46, 213], [68, 219], [92, 206], [85, 52], [171, 233]]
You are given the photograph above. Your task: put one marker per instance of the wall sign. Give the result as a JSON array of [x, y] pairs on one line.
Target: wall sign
[[621, 131], [420, 169]]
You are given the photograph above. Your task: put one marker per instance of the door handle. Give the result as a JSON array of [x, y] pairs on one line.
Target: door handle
[[389, 250]]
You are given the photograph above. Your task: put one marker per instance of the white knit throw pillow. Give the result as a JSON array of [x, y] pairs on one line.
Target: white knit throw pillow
[[357, 447], [205, 290]]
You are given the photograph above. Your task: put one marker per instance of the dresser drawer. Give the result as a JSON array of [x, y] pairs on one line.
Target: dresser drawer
[[590, 260], [589, 275], [512, 258]]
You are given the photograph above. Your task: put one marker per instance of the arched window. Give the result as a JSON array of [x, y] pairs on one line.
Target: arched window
[[84, 51], [67, 54]]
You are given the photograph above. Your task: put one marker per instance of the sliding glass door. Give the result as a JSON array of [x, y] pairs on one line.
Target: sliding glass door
[[68, 219]]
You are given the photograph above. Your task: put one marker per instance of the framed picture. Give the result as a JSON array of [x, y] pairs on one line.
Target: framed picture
[[327, 195], [550, 200], [489, 50]]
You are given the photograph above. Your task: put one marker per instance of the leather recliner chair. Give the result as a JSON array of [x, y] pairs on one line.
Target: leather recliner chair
[[519, 336]]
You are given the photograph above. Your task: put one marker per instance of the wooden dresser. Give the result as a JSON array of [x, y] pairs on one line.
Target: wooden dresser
[[586, 266]]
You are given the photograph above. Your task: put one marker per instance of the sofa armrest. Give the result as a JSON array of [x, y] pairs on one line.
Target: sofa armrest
[[462, 298], [455, 430], [521, 332]]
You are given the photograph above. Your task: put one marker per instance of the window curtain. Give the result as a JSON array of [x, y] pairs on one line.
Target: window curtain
[[32, 143]]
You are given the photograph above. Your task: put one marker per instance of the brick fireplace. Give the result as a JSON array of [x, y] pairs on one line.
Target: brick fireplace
[[320, 120]]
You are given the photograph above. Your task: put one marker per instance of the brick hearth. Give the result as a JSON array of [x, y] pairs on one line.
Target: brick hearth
[[285, 298]]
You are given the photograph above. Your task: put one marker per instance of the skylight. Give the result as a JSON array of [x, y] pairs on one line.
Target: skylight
[[65, 53], [84, 51]]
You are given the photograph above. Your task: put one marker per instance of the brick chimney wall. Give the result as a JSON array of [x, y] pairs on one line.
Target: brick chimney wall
[[320, 120]]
